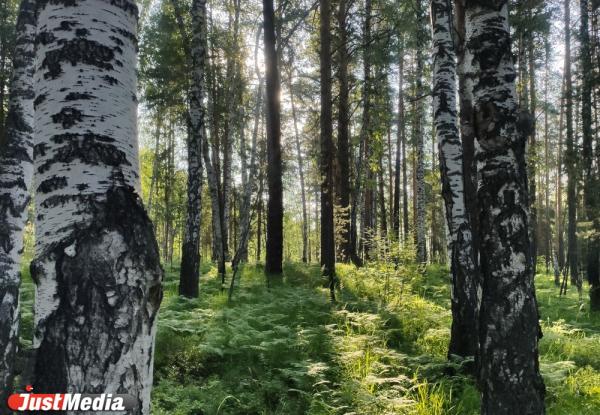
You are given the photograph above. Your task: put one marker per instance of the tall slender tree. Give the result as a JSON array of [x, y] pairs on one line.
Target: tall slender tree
[[16, 173], [190, 254], [509, 330], [420, 196], [590, 181], [570, 158], [96, 268], [346, 248], [399, 142], [465, 282], [274, 164], [327, 151]]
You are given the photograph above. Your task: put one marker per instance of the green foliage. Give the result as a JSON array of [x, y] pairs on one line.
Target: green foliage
[[380, 350]]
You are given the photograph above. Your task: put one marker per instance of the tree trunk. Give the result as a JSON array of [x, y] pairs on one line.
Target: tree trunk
[[300, 161], [559, 195], [509, 330], [274, 167], [399, 143], [250, 182], [589, 180], [465, 273], [346, 248], [190, 252], [420, 212], [16, 173], [97, 271], [571, 160], [233, 97], [365, 134], [155, 161], [327, 151], [467, 131], [532, 159]]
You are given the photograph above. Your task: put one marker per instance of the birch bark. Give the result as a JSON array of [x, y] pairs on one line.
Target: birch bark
[[509, 330], [465, 281], [96, 268], [16, 173]]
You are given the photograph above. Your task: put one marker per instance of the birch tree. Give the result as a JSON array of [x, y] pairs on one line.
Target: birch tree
[[509, 330], [190, 251], [96, 268], [465, 302], [16, 173]]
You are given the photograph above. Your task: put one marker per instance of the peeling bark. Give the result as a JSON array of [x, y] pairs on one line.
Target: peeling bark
[[509, 330], [16, 173], [96, 268]]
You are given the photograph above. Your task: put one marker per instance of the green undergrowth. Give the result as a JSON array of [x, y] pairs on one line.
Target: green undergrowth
[[381, 349]]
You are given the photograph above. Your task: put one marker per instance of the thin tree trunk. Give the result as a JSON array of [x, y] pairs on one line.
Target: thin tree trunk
[[570, 160], [465, 273], [327, 151], [274, 164], [532, 159], [365, 133], [155, 161], [16, 173], [559, 187], [399, 142], [509, 330], [548, 231], [347, 249], [234, 94], [300, 161], [97, 270], [245, 214], [420, 213], [190, 255], [590, 187]]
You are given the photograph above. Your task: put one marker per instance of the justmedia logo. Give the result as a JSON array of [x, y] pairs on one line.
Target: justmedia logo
[[69, 401]]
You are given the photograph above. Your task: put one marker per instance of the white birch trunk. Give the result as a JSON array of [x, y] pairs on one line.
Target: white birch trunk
[[97, 270], [509, 375], [465, 302], [16, 172]]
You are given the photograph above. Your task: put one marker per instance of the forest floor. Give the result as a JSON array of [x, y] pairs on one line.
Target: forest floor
[[380, 350]]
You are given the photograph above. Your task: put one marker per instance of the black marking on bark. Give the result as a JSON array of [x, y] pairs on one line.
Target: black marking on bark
[[76, 51], [52, 184], [110, 80], [68, 117], [39, 150], [127, 35], [93, 149], [45, 38], [38, 100], [118, 41], [67, 25], [73, 96], [82, 32]]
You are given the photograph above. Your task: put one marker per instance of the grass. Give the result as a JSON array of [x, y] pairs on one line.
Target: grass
[[380, 350]]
